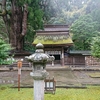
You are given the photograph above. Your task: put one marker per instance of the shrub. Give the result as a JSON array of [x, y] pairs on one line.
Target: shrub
[[4, 51]]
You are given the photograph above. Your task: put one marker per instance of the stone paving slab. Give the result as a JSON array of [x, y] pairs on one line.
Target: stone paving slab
[[62, 78], [55, 68]]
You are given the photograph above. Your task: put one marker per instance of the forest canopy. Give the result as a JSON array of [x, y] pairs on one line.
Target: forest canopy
[[83, 16]]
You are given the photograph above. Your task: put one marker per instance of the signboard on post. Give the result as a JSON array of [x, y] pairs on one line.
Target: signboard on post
[[50, 86], [19, 65]]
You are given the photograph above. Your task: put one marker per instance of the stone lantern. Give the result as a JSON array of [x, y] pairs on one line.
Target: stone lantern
[[39, 60]]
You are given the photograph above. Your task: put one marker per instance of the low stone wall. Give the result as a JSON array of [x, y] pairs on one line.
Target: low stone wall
[[92, 61]]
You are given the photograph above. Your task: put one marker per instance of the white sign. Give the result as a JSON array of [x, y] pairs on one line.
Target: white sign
[[53, 52], [50, 85], [19, 71]]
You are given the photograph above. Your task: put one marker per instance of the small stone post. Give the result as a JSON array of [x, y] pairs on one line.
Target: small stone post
[[39, 60]]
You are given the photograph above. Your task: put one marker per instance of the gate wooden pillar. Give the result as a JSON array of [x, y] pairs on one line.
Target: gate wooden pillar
[[62, 57]]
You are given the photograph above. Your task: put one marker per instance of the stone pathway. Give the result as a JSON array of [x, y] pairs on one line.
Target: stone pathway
[[62, 78]]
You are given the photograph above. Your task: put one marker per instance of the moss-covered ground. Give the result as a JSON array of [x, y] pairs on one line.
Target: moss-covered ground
[[89, 93]]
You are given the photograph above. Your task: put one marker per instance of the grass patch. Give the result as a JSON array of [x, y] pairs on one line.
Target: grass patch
[[94, 75], [91, 93]]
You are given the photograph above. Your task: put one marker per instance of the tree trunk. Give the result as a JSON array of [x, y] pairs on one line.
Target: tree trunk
[[16, 23]]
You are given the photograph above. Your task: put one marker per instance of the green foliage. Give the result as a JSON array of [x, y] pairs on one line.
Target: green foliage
[[29, 39], [35, 22], [34, 19], [3, 30], [95, 47], [49, 10], [4, 51], [92, 5], [35, 14], [83, 30], [86, 26], [96, 17], [66, 11]]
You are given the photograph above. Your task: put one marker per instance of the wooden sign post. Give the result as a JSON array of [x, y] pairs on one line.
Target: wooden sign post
[[19, 65]]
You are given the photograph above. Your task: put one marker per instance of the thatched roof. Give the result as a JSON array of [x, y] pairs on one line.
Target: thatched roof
[[53, 35]]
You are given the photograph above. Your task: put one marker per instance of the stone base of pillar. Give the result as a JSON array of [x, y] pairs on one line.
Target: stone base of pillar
[[63, 62], [52, 63], [38, 89], [39, 77]]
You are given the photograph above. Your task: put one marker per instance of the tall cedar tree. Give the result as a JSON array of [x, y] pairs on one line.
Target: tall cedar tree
[[17, 15]]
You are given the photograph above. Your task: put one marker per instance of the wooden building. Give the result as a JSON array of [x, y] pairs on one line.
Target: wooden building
[[76, 58], [56, 40], [81, 59]]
